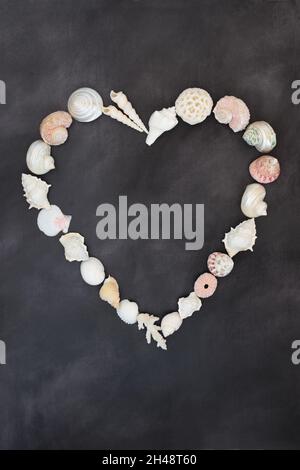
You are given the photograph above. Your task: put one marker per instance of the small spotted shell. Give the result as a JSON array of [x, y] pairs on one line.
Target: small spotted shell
[[193, 105], [205, 285], [265, 169], [260, 135], [233, 111], [54, 127], [219, 264]]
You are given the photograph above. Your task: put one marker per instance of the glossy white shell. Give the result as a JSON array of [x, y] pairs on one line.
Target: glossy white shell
[[170, 323], [188, 305], [85, 105], [128, 311], [38, 158], [253, 204], [52, 221], [160, 122], [240, 238], [92, 271], [260, 135], [193, 105], [75, 249], [35, 191]]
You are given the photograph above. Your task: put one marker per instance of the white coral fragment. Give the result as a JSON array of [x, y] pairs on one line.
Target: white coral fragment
[[147, 321]]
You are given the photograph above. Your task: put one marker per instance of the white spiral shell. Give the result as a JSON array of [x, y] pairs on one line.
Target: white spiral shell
[[85, 105], [35, 191], [253, 204], [160, 122], [38, 158], [240, 238]]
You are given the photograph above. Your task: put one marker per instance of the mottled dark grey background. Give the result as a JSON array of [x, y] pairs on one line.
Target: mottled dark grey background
[[76, 376]]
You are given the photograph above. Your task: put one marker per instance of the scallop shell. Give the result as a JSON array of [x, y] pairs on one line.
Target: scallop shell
[[260, 135], [205, 285], [160, 122], [219, 264], [253, 204], [92, 271], [115, 113], [35, 191], [85, 105], [128, 311], [193, 105], [52, 221], [240, 238], [233, 111], [265, 169], [109, 292], [188, 305], [38, 158], [170, 323], [122, 102], [54, 127], [75, 249]]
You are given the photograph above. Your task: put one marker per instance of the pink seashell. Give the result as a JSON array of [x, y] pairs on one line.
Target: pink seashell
[[205, 285], [233, 111], [53, 128], [219, 264], [265, 169]]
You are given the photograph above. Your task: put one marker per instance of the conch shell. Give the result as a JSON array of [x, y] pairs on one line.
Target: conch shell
[[193, 105], [240, 238], [265, 169], [170, 323], [85, 105], [35, 191], [122, 102], [233, 111], [115, 113], [54, 127], [75, 249], [260, 135], [52, 221], [109, 292], [253, 204], [188, 305], [160, 122], [38, 158]]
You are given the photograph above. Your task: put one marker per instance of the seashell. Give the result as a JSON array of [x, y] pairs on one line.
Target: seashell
[[109, 292], [260, 135], [54, 127], [75, 249], [219, 264], [115, 113], [92, 271], [85, 105], [52, 221], [38, 158], [152, 331], [160, 122], [35, 191], [188, 305], [253, 204], [265, 169], [122, 102], [240, 238], [193, 105], [128, 311], [170, 323], [205, 285], [233, 111]]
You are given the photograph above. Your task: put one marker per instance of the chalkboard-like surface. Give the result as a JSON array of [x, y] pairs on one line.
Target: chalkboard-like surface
[[76, 376]]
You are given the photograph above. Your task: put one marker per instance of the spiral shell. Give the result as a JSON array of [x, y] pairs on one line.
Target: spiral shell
[[75, 249], [205, 285], [122, 102], [85, 105], [240, 238], [109, 292], [193, 105], [35, 191], [38, 158], [115, 113], [265, 169], [219, 264], [170, 323], [54, 127], [160, 122], [260, 135], [233, 111], [253, 204]]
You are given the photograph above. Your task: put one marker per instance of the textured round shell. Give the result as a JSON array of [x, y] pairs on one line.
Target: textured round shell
[[265, 169], [54, 127], [193, 105], [85, 105], [219, 264], [233, 111], [205, 285], [92, 271]]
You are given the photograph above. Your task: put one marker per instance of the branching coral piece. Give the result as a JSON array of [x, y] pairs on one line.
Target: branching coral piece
[[147, 321]]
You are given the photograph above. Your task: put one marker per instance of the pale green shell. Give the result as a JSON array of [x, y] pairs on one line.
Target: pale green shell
[[261, 136]]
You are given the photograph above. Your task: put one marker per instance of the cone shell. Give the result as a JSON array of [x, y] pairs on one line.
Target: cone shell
[[240, 238], [38, 158], [233, 111], [205, 285], [253, 204], [170, 323], [109, 292], [265, 169], [85, 105], [54, 127], [219, 264], [193, 105], [260, 135]]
